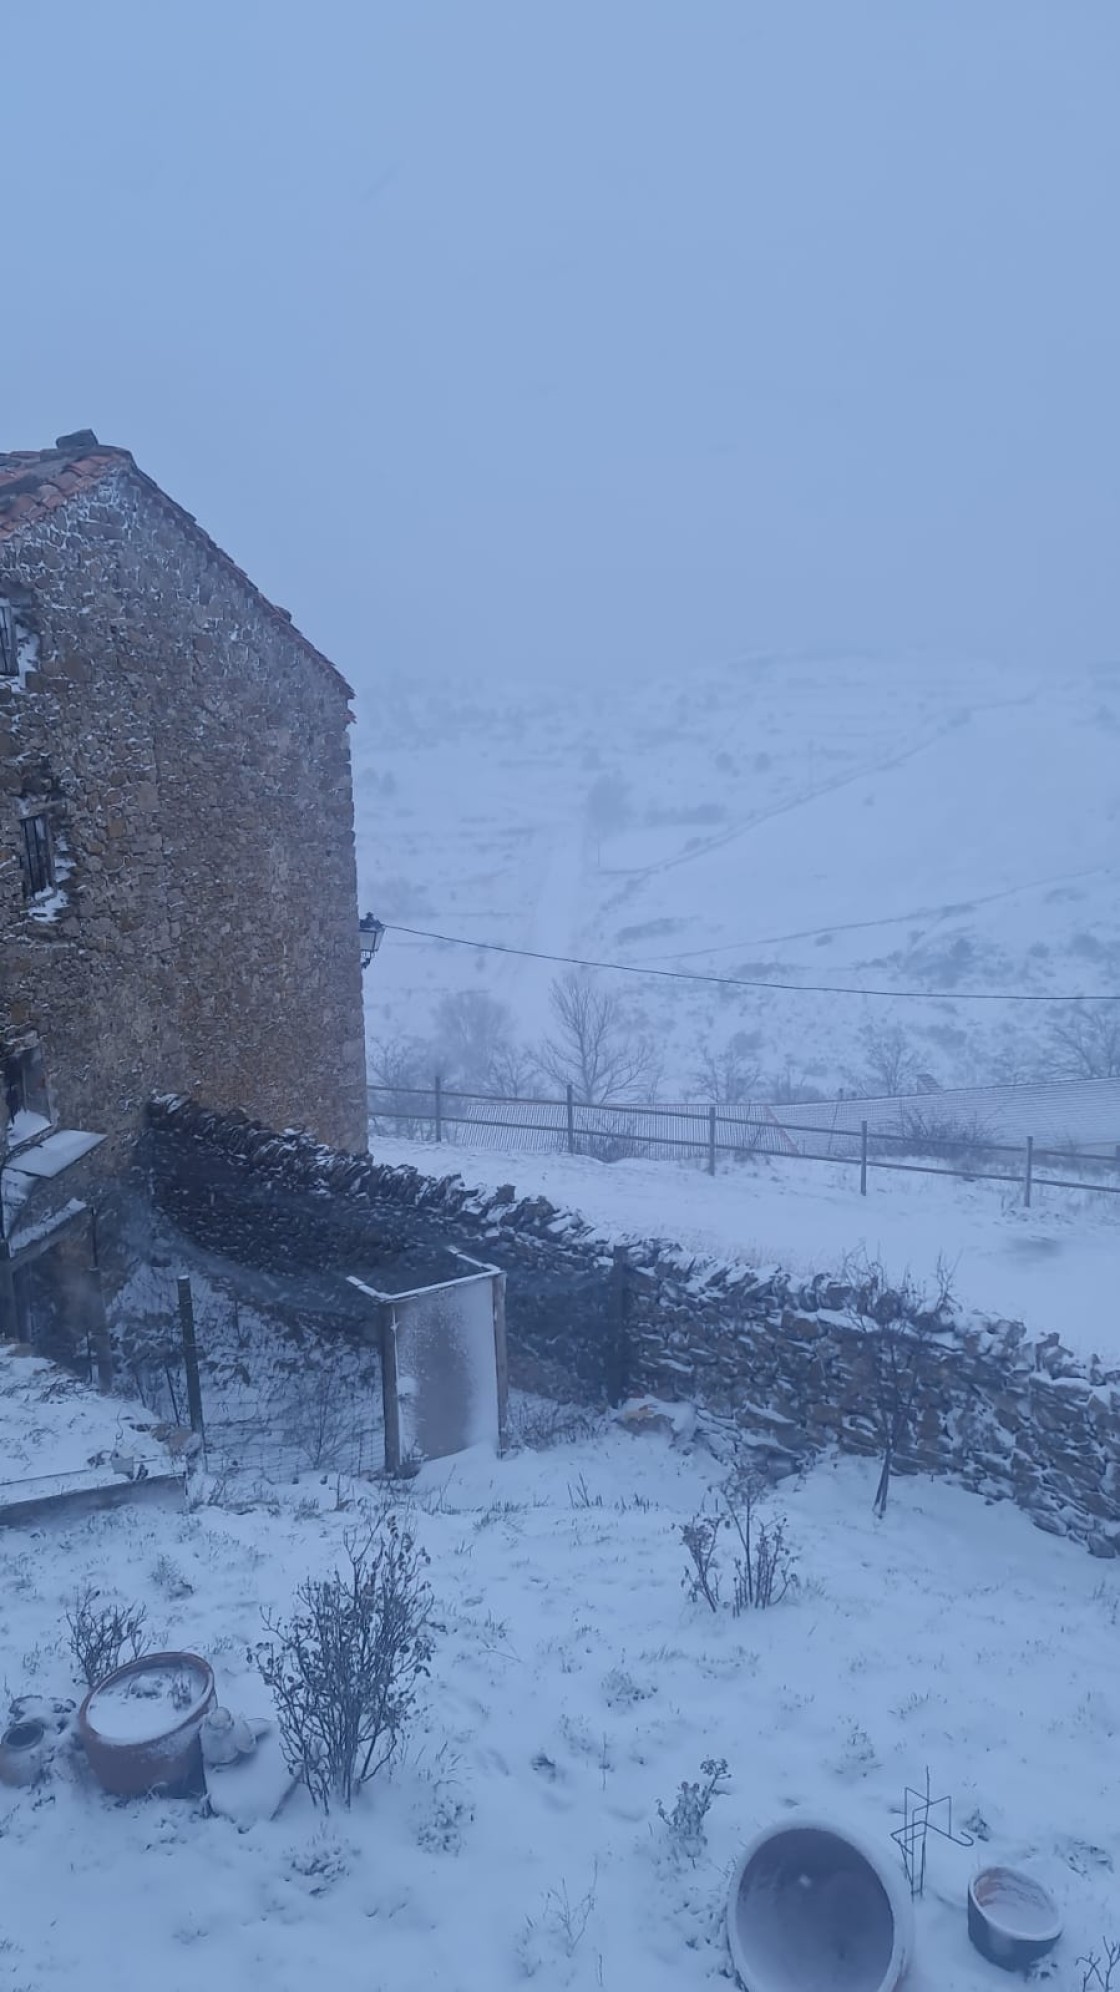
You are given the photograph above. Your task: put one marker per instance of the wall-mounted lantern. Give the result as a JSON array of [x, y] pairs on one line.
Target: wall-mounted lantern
[[371, 933]]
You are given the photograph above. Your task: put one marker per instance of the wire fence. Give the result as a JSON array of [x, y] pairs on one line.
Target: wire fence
[[901, 1138]]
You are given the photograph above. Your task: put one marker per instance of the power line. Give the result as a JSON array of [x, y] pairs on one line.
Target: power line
[[745, 982]]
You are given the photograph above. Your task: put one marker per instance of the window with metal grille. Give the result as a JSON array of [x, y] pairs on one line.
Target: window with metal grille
[[38, 859], [25, 1084], [9, 656]]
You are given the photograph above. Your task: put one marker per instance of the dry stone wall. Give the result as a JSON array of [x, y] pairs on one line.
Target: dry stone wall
[[786, 1361]]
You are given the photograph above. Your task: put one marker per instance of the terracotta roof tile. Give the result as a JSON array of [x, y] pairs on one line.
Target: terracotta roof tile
[[33, 483]]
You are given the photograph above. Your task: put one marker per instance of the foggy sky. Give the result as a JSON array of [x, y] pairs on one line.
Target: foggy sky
[[593, 334]]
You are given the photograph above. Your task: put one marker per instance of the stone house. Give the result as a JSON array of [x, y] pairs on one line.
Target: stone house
[[177, 876]]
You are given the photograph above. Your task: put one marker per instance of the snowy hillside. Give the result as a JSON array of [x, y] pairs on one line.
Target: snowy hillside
[[899, 823]]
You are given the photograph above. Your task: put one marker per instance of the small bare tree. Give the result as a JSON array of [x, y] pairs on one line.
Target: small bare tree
[[1085, 1041], [1100, 1968], [473, 1039], [345, 1669], [403, 1069], [102, 1636], [897, 1322], [728, 1077], [889, 1063], [595, 1047]]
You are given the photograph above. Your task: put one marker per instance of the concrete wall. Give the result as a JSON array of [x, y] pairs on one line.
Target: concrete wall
[[787, 1361], [193, 758]]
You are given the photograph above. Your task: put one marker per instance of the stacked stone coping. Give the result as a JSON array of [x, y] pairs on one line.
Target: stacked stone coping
[[784, 1361]]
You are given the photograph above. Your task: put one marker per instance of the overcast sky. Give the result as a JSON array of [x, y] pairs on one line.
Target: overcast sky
[[591, 333]]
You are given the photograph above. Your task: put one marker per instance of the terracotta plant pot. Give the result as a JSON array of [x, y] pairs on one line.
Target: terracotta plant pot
[[811, 1907], [140, 1726], [1011, 1919]]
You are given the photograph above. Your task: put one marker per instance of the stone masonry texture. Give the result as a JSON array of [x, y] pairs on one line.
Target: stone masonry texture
[[788, 1365], [190, 752]]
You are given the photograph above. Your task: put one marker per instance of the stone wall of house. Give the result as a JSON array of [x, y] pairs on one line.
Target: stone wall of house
[[192, 757], [787, 1361]]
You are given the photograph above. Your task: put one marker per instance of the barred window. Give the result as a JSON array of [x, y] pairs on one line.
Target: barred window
[[9, 655], [38, 857]]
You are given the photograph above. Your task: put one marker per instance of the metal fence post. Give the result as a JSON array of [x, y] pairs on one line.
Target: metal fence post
[[571, 1100], [439, 1107], [190, 1357], [863, 1158], [617, 1352], [1029, 1177], [711, 1141]]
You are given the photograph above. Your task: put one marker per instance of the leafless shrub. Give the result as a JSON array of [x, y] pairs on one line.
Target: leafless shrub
[[685, 1823], [1099, 1968], [345, 1668], [766, 1571], [570, 1919], [790, 1087], [103, 1636], [473, 1047], [1085, 1041], [320, 1416], [540, 1425], [402, 1071], [896, 1321], [700, 1537], [594, 1047], [889, 1062], [729, 1076], [962, 1140]]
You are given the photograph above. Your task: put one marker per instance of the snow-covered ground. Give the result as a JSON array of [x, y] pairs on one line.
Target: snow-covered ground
[[57, 1437], [574, 1686], [1052, 1267], [919, 822]]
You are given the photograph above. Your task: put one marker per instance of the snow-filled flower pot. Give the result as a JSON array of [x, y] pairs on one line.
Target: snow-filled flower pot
[[1011, 1919], [810, 1906], [140, 1726]]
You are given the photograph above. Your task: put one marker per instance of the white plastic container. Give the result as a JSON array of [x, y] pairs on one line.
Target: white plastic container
[[811, 1906]]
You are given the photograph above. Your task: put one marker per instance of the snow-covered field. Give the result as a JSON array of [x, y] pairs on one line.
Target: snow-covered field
[[574, 1686], [901, 822], [1052, 1267]]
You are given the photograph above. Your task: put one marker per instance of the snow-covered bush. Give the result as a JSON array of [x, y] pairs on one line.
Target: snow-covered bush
[[685, 1823], [103, 1636], [765, 1571], [700, 1537], [345, 1668]]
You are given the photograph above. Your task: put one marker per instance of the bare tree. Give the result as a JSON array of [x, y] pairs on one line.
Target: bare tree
[[401, 1068], [889, 1063], [897, 1322], [473, 1039], [595, 1047], [728, 1077], [1085, 1041]]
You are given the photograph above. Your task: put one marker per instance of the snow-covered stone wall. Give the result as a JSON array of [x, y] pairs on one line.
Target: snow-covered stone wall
[[788, 1361]]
